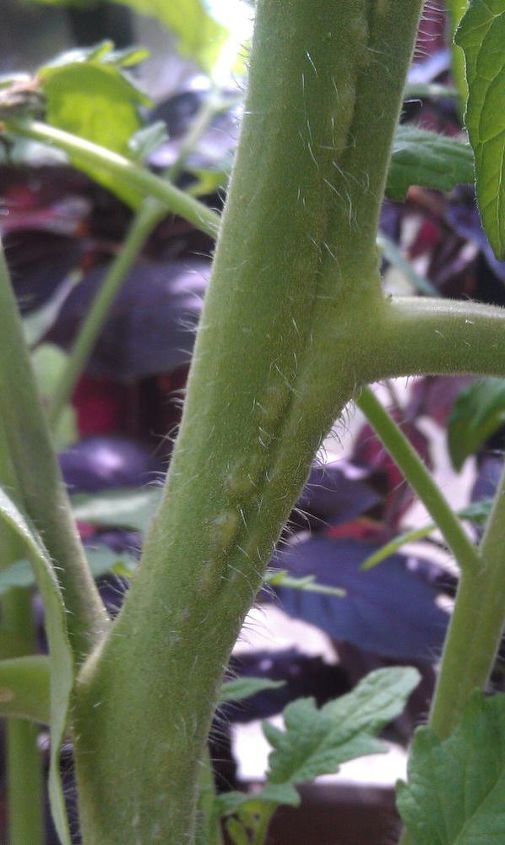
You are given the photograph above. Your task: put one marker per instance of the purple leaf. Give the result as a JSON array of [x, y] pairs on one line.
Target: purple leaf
[[97, 463], [151, 324], [388, 610], [337, 493]]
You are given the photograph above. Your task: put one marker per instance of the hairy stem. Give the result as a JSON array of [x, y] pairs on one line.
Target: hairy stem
[[24, 765], [38, 479], [295, 288], [420, 479], [480, 609], [475, 630], [436, 336]]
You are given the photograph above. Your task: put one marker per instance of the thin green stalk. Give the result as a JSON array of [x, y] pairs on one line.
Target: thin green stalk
[[457, 9], [394, 255], [24, 765], [25, 782], [420, 479], [143, 224], [38, 477], [133, 175], [475, 630], [476, 626], [151, 213], [295, 289]]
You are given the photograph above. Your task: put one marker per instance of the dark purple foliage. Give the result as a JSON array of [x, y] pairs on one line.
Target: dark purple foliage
[[152, 322], [388, 610], [336, 493], [98, 463]]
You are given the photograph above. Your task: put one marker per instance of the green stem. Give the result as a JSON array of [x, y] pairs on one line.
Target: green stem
[[295, 288], [476, 626], [456, 9], [420, 479], [420, 336], [475, 630], [86, 153], [209, 823], [143, 224], [24, 764], [394, 255], [146, 219], [38, 477]]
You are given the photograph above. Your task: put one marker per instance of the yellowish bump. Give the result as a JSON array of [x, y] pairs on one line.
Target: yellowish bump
[[225, 528]]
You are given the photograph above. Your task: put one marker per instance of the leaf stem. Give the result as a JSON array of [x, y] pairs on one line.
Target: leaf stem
[[24, 765], [37, 476], [420, 479], [150, 214], [145, 220], [422, 335], [131, 174], [476, 626]]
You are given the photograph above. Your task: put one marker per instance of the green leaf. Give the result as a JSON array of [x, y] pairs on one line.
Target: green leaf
[[315, 742], [146, 140], [48, 362], [478, 412], [101, 558], [199, 36], [38, 323], [88, 94], [456, 10], [242, 688], [427, 159], [25, 688], [61, 660], [475, 512], [281, 577], [132, 508], [481, 34], [456, 787]]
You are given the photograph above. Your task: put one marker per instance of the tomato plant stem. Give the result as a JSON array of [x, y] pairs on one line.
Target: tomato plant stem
[[420, 479], [295, 289]]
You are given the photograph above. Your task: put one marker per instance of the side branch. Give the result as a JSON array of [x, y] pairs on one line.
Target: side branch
[[435, 337]]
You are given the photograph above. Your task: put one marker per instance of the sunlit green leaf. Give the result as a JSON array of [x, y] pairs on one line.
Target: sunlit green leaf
[[478, 412], [62, 668], [481, 34], [455, 789], [199, 36], [88, 94]]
